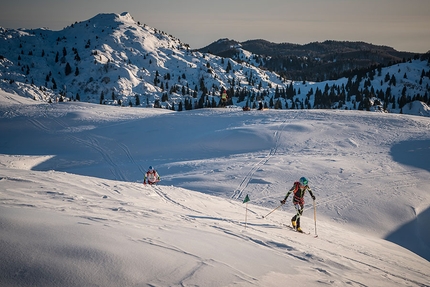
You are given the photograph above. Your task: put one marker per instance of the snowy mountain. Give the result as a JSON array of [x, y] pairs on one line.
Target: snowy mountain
[[113, 59], [74, 211]]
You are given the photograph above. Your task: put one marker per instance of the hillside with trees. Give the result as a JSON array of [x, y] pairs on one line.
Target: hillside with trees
[[113, 59]]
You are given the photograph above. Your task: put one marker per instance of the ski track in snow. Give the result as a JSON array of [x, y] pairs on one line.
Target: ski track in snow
[[174, 236], [130, 157], [298, 247], [92, 142], [248, 177], [168, 199]]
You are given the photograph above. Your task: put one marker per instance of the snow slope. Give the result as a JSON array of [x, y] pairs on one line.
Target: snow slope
[[74, 211]]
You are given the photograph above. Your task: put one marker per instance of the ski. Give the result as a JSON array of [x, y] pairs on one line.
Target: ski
[[293, 229]]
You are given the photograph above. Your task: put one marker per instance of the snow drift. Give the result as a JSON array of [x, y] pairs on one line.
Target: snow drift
[[74, 211]]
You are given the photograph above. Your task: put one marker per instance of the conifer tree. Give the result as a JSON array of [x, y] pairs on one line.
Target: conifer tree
[[68, 69]]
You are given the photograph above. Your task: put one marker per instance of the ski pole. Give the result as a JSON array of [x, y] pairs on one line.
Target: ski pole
[[272, 211], [246, 214], [315, 218]]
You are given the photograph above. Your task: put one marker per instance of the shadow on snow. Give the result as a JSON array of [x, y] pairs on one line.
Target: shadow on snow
[[415, 235]]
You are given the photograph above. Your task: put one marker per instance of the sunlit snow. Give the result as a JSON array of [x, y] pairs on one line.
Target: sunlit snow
[[74, 211]]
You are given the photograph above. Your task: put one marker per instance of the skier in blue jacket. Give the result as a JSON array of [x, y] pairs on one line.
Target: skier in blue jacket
[[299, 189]]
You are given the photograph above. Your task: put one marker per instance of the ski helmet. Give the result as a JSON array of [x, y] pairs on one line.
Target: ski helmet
[[303, 181], [150, 167]]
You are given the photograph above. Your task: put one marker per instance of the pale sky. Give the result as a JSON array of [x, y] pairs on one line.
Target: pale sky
[[401, 24]]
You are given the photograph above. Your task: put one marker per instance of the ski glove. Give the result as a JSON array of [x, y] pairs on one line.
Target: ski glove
[[283, 201], [313, 197]]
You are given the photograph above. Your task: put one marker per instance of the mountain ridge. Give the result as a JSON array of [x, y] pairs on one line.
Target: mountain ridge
[[335, 58], [113, 59]]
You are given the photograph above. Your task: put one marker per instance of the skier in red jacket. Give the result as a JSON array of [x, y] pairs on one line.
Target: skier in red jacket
[[151, 176], [299, 189]]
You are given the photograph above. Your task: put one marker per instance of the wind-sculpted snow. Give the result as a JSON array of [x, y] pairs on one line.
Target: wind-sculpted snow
[[74, 211]]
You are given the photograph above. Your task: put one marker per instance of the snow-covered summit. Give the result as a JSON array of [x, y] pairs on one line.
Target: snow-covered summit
[[417, 108], [114, 59]]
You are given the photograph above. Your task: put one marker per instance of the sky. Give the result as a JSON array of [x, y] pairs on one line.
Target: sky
[[74, 211], [400, 24]]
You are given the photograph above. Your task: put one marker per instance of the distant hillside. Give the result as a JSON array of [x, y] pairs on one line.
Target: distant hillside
[[315, 61], [113, 59]]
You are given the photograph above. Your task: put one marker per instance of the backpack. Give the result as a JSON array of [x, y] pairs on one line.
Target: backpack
[[296, 187], [298, 196]]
